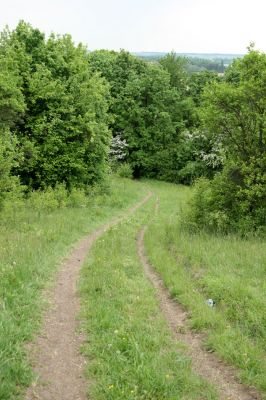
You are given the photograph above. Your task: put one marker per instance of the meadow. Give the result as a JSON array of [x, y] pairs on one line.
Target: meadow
[[129, 349], [226, 268], [33, 243]]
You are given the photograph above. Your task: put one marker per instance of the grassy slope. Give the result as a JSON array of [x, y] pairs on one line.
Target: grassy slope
[[31, 248], [229, 270], [130, 357], [130, 350]]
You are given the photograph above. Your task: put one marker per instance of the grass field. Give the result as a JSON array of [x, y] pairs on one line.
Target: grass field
[[130, 352], [32, 245], [228, 269]]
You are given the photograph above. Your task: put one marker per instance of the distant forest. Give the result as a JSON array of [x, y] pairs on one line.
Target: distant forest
[[196, 62]]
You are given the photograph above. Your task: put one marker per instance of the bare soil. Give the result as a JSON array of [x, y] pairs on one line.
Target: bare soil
[[55, 356], [204, 363]]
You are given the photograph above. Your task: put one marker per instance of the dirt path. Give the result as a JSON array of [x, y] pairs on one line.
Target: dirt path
[[55, 355], [204, 363]]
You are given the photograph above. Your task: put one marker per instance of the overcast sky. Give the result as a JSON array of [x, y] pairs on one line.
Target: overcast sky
[[220, 26]]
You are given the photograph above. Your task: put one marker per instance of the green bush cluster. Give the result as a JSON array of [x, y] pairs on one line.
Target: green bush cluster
[[51, 199], [235, 110], [125, 171], [46, 200], [224, 205]]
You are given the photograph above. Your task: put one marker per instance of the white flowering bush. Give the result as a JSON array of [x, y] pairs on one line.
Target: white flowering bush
[[118, 149]]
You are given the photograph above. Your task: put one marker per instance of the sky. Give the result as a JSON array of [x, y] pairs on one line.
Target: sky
[[189, 26]]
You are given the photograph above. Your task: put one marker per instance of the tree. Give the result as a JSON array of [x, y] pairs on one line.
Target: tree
[[197, 84], [235, 112], [147, 110], [63, 135], [176, 67]]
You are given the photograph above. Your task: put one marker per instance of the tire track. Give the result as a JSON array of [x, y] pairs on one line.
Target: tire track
[[205, 364]]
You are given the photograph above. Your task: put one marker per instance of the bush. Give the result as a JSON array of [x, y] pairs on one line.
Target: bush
[[234, 200], [77, 198], [51, 199], [43, 200], [9, 185], [61, 195], [191, 171], [125, 171]]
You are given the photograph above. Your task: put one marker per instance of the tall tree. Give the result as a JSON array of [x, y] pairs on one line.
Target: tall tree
[[235, 112], [63, 135]]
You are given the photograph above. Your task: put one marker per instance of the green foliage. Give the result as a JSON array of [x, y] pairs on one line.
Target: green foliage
[[77, 198], [198, 82], [63, 135], [233, 200], [125, 171], [176, 67], [234, 113], [43, 200], [51, 199], [9, 185], [216, 64], [148, 110], [235, 109]]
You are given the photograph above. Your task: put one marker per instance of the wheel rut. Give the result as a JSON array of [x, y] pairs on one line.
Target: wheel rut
[[55, 354], [204, 364]]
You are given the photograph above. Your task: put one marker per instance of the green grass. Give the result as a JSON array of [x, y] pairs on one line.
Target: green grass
[[130, 353], [228, 269], [32, 245]]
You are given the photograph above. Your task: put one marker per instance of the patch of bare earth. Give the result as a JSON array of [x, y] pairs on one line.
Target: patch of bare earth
[[56, 358], [205, 364]]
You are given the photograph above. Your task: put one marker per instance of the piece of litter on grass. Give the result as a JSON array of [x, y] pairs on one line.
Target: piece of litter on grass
[[210, 302]]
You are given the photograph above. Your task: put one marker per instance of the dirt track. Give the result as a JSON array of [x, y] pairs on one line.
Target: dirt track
[[204, 363], [55, 354]]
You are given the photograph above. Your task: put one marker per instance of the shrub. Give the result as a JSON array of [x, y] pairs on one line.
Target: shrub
[[43, 200], [77, 198], [234, 200], [191, 171], [61, 195], [125, 171]]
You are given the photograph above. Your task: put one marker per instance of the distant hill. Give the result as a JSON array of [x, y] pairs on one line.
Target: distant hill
[[207, 56], [216, 62]]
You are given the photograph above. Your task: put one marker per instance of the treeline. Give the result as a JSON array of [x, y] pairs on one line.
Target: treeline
[[67, 116], [202, 64], [195, 63], [154, 110]]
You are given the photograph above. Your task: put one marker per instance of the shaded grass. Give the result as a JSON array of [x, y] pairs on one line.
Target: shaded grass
[[32, 245], [130, 352], [228, 269]]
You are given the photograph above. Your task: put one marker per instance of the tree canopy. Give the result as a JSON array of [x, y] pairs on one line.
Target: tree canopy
[[55, 106]]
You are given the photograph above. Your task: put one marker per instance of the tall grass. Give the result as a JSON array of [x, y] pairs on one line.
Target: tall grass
[[229, 269]]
